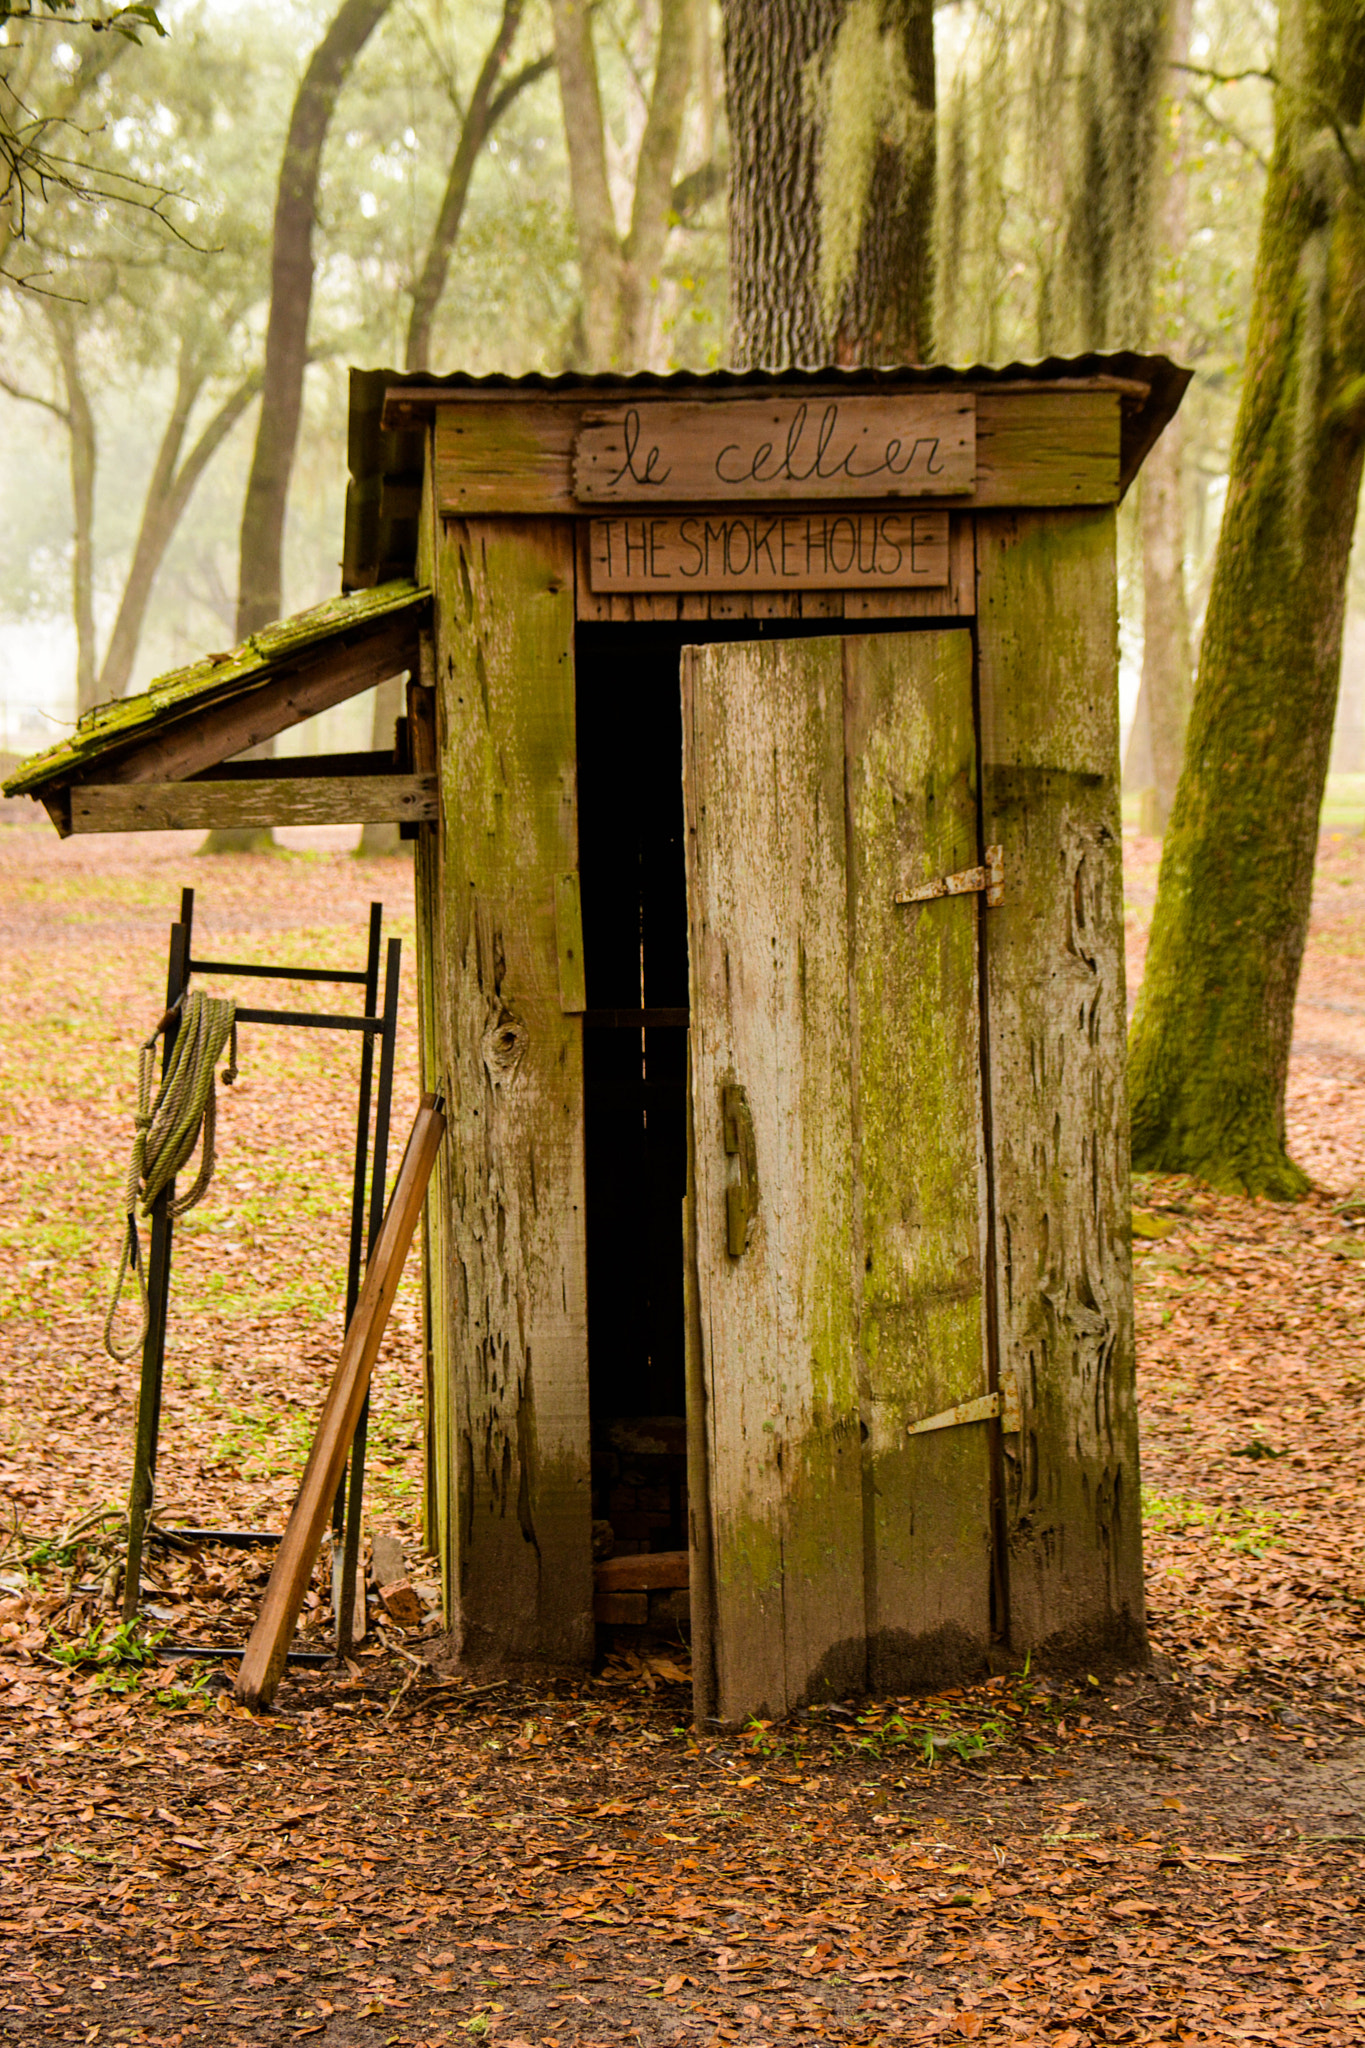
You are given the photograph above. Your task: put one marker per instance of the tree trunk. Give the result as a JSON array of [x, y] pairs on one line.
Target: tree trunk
[[831, 112], [486, 108], [260, 574], [1213, 1023], [642, 255], [599, 241], [260, 577], [80, 424], [1166, 686], [618, 272], [1167, 678], [168, 494], [1111, 231]]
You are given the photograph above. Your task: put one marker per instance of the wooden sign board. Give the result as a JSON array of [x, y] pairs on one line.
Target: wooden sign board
[[720, 549], [722, 450]]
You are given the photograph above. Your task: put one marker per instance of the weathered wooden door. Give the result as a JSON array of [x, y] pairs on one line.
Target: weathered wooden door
[[838, 1203]]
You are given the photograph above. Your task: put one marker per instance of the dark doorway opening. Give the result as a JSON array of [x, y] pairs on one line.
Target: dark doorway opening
[[632, 872], [632, 875]]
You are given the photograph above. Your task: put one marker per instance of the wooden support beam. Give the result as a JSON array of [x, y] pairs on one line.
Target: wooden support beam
[[264, 1658], [268, 800]]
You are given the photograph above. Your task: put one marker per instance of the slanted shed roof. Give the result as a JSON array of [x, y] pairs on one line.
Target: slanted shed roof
[[193, 717], [389, 410]]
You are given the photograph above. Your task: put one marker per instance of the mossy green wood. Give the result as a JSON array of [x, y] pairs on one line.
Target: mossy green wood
[[1048, 664], [517, 1477], [1214, 1021], [185, 691], [768, 933], [918, 1156]]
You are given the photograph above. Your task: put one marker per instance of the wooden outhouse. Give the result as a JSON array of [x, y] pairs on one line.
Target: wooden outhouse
[[761, 752]]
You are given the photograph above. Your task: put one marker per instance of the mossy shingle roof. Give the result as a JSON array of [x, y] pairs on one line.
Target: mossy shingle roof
[[184, 691]]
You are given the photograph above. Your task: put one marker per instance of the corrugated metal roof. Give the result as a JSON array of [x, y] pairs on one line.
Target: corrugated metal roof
[[386, 462]]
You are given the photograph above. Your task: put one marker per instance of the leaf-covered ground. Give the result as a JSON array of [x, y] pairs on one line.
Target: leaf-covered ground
[[394, 1857]]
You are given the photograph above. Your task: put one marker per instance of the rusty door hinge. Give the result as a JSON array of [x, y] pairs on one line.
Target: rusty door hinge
[[984, 1408], [741, 1197], [991, 878]]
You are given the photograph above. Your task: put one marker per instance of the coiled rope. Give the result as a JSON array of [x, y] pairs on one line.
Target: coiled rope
[[167, 1131]]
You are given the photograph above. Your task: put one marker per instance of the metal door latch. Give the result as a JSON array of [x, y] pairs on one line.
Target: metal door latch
[[991, 878], [983, 1409]]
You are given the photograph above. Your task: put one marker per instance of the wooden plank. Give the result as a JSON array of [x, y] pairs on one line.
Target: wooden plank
[[788, 445], [263, 1661], [1048, 637], [647, 1572], [269, 800], [423, 712], [500, 458], [573, 993], [621, 1610], [769, 549], [918, 1155], [1035, 445], [1042, 447], [209, 733], [516, 1470], [956, 601], [589, 605], [763, 780], [701, 1575]]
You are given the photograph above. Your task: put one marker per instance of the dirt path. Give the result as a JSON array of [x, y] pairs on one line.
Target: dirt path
[[394, 1859]]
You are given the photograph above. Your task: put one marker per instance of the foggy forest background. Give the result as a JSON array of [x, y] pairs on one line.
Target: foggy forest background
[[448, 235]]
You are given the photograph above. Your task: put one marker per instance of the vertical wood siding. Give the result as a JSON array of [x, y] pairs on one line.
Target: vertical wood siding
[[767, 892], [1048, 640], [918, 1160], [515, 1341]]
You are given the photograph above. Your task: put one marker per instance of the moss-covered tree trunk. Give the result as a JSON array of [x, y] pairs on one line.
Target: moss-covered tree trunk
[[831, 108], [1211, 1033]]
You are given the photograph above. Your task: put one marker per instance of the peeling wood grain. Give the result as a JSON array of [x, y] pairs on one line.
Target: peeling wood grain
[[918, 1160], [1048, 665], [516, 1473], [264, 800], [764, 797]]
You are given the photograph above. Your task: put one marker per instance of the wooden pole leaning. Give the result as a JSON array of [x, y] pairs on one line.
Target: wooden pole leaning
[[264, 1659]]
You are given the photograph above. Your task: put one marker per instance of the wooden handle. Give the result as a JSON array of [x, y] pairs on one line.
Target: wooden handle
[[264, 1658]]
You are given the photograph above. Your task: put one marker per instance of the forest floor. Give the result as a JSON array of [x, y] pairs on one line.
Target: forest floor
[[396, 1857]]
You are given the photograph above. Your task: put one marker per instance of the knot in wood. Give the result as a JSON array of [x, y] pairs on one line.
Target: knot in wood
[[504, 1047]]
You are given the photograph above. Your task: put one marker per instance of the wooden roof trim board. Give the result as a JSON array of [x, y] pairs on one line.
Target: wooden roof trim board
[[392, 413], [197, 716]]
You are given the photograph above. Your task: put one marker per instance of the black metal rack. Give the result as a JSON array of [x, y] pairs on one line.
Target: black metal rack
[[366, 1217]]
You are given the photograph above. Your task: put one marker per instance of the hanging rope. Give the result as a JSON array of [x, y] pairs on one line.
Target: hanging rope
[[167, 1131]]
